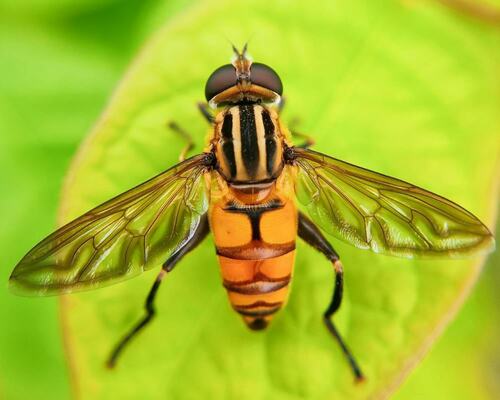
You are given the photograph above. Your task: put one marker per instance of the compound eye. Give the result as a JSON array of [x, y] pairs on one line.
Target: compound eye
[[221, 79], [265, 76]]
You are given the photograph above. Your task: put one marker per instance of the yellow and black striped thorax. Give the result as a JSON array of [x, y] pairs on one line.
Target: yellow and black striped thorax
[[248, 144]]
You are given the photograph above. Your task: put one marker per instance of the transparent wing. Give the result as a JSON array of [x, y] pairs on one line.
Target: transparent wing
[[121, 238], [384, 214]]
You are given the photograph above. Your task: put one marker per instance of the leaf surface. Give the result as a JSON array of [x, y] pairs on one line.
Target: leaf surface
[[405, 89]]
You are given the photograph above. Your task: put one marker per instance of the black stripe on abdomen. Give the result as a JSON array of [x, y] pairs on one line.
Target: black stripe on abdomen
[[258, 309], [259, 284], [249, 143]]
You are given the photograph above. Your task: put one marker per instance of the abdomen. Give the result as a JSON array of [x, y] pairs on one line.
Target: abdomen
[[256, 250]]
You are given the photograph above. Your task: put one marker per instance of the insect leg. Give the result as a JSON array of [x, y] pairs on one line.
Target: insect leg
[[186, 136], [308, 140], [310, 233], [205, 111], [200, 234]]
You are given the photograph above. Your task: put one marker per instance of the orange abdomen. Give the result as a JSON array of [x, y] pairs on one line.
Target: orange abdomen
[[256, 250]]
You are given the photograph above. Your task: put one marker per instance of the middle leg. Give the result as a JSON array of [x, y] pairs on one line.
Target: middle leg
[[310, 233], [308, 141], [186, 136]]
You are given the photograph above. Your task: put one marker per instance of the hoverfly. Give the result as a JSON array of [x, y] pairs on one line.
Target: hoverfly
[[242, 189]]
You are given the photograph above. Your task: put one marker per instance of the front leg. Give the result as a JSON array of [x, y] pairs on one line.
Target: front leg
[[205, 112], [310, 233]]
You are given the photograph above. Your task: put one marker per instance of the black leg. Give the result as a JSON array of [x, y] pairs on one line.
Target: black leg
[[186, 136], [308, 140], [310, 233], [150, 312], [200, 234], [205, 111]]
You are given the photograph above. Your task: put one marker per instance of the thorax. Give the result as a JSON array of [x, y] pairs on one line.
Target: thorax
[[248, 144]]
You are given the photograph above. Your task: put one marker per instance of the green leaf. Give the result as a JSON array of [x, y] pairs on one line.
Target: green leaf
[[47, 8], [469, 349], [405, 90], [51, 91], [49, 97]]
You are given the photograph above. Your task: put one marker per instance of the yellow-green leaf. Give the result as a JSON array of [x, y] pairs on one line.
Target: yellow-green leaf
[[407, 89]]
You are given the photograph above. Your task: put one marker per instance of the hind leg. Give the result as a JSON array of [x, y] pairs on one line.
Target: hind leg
[[310, 233]]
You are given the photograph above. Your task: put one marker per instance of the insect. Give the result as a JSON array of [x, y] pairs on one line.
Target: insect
[[243, 189]]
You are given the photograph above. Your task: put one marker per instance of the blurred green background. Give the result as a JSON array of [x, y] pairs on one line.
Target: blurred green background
[[59, 63]]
